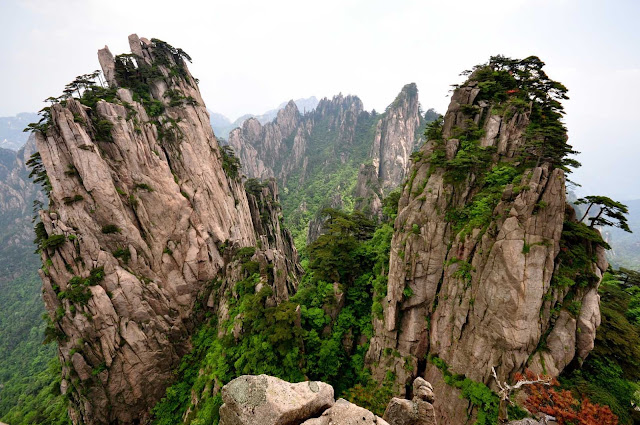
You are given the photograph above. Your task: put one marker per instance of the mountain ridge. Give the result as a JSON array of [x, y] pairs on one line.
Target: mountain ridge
[[222, 125]]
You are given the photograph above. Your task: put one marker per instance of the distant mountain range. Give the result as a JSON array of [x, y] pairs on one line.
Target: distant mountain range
[[222, 125], [12, 137], [11, 134]]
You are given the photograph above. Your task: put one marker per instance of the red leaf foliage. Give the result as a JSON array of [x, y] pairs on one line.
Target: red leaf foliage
[[554, 401]]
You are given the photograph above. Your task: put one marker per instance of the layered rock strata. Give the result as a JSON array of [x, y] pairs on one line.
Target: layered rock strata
[[145, 213]]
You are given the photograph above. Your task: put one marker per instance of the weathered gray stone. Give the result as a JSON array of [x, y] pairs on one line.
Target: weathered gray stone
[[280, 148], [180, 216], [105, 57], [368, 192], [267, 400], [530, 421], [134, 45], [17, 194], [395, 138], [483, 297], [346, 413], [418, 411]]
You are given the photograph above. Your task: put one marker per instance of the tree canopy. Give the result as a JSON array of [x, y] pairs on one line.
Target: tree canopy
[[611, 213]]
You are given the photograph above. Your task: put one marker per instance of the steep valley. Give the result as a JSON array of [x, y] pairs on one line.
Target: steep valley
[[321, 158], [435, 247], [26, 364]]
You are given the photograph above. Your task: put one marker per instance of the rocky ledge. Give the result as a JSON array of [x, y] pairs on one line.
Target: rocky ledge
[[267, 400]]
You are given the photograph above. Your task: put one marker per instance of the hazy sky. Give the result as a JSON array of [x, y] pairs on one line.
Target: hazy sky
[[252, 55]]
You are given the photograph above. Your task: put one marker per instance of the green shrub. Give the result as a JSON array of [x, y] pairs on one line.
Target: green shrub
[[486, 401], [230, 163], [144, 186], [250, 267], [78, 288], [110, 228], [103, 129], [68, 200], [123, 253], [53, 242], [244, 254]]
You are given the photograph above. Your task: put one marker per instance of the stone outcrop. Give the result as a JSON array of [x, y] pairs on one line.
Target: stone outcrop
[[271, 401], [145, 215], [528, 421], [397, 136], [346, 413], [317, 223], [481, 296], [265, 400], [282, 147], [418, 411], [273, 149]]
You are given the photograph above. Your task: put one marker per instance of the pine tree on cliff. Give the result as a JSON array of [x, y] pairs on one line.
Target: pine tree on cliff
[[612, 213]]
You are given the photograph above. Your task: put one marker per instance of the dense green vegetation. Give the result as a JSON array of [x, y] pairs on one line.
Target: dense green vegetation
[[304, 196], [478, 394], [29, 371], [575, 259], [322, 332], [510, 87], [333, 159], [29, 375], [521, 85], [611, 373], [326, 340]]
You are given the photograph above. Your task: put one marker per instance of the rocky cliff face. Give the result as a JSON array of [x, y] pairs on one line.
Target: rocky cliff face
[[316, 157], [397, 136], [265, 151], [145, 213], [222, 126], [282, 147], [17, 194], [477, 273], [368, 191]]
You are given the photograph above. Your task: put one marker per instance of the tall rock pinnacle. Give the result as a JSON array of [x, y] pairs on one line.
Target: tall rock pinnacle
[[477, 276], [397, 137], [145, 213]]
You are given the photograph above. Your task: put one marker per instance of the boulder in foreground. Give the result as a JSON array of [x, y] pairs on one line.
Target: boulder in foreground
[[267, 400]]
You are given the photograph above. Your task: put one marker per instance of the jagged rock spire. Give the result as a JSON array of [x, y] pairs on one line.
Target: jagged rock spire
[[146, 213]]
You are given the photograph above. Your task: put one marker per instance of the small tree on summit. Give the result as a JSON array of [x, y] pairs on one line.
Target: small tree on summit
[[612, 213]]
